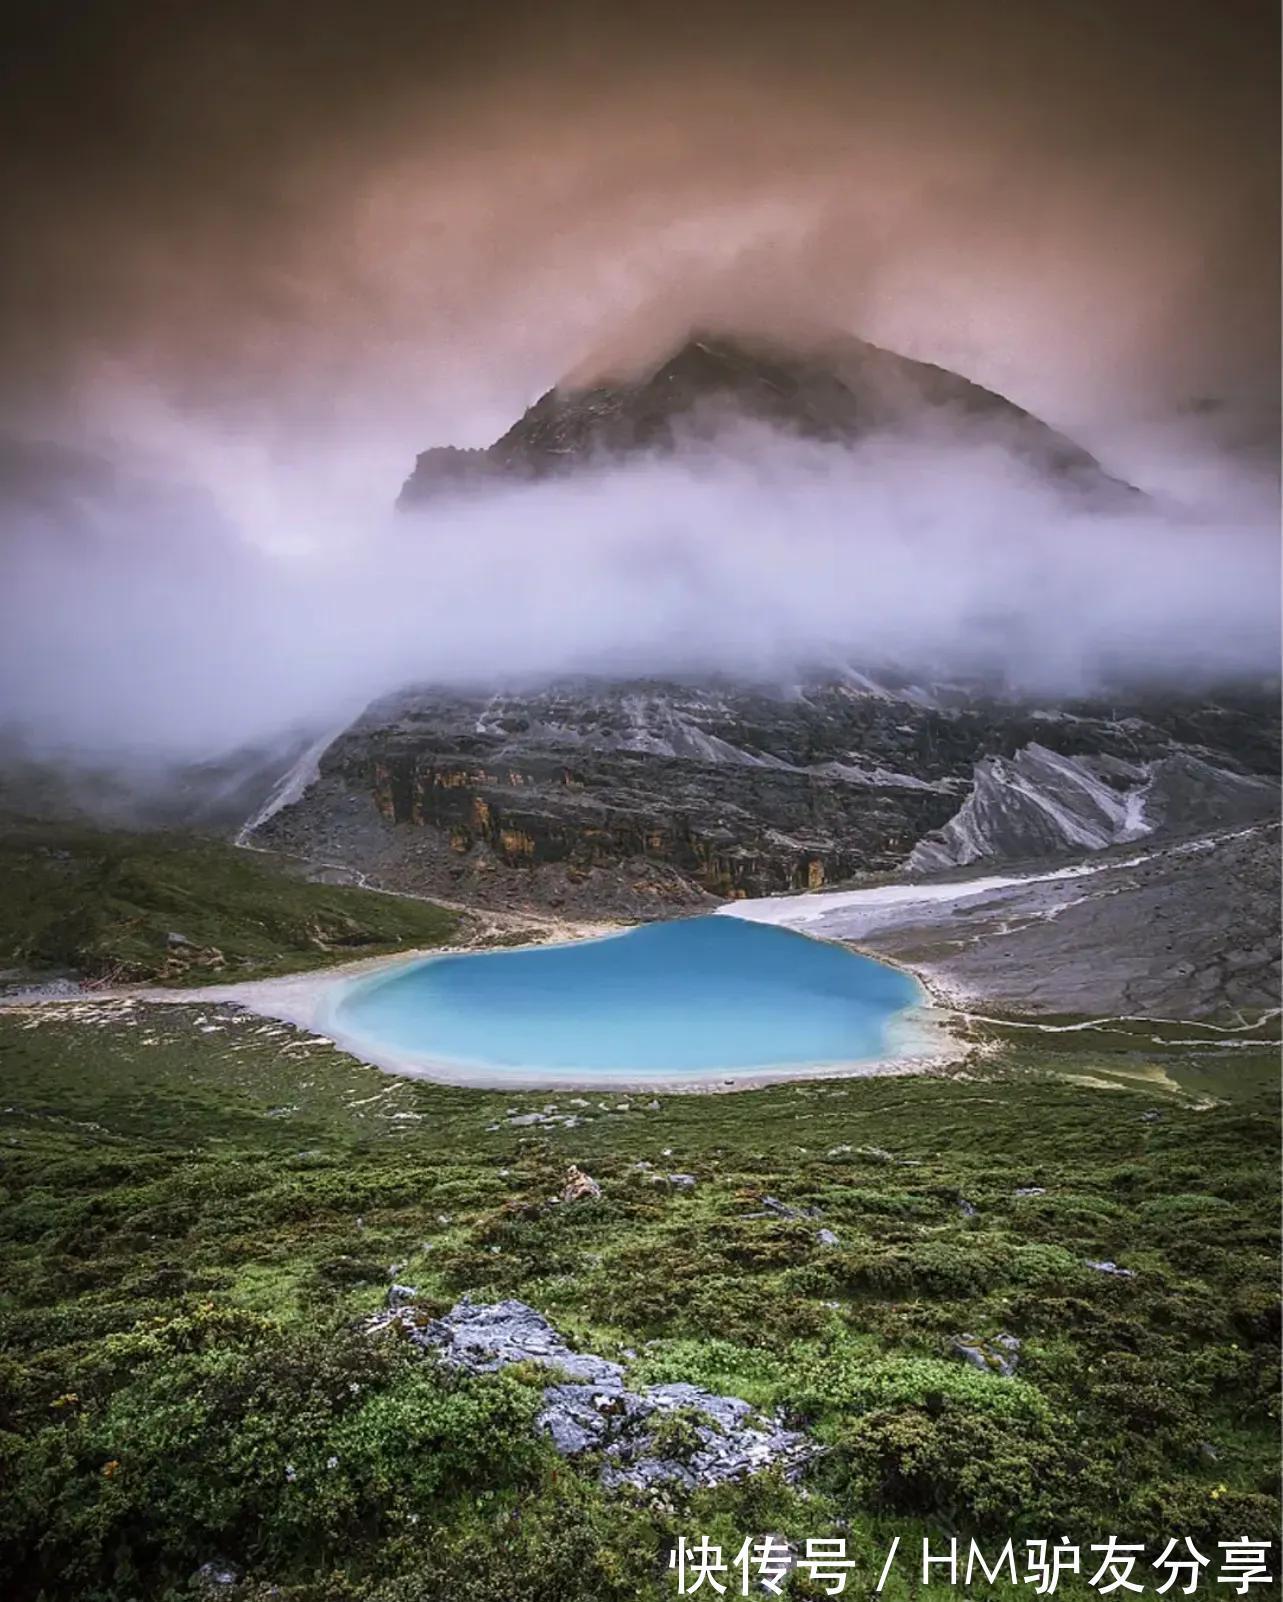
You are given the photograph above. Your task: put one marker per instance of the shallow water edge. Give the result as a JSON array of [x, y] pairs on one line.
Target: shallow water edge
[[917, 1039]]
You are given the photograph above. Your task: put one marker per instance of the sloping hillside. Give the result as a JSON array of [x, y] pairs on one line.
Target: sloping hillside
[[173, 908]]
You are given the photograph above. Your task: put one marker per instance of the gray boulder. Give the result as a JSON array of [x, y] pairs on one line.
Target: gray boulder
[[1108, 1267], [998, 1354], [484, 1338], [653, 1435]]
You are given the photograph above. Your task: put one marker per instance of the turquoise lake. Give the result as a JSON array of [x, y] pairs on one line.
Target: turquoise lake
[[696, 997]]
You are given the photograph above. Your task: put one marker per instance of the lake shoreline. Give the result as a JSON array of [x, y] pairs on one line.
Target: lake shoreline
[[309, 1001]]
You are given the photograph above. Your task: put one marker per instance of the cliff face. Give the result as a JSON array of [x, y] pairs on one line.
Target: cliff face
[[645, 798], [845, 392]]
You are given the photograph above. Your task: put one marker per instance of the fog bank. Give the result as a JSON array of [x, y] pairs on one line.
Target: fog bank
[[133, 618]]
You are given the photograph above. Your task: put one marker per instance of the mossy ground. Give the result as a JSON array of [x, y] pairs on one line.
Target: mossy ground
[[105, 906], [200, 1206]]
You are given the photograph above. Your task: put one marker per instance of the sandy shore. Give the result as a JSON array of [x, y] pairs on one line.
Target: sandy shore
[[311, 1001]]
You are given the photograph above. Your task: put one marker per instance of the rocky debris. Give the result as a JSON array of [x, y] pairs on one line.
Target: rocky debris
[[681, 1181], [1030, 1190], [997, 1355], [532, 1120], [826, 1237], [1186, 930], [668, 1434], [967, 1209], [485, 1337], [655, 1435], [182, 955], [579, 1186], [1107, 1267], [16, 987]]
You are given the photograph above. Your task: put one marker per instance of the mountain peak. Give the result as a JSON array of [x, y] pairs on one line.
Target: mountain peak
[[839, 392]]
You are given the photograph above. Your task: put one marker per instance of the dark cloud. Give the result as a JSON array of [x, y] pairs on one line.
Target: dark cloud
[[413, 217], [268, 252], [768, 558]]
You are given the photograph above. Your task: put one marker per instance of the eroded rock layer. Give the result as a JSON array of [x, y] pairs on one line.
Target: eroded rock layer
[[645, 798]]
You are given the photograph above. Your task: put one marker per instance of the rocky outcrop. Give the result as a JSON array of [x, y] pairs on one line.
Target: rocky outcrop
[[999, 1354], [837, 391], [579, 1186], [648, 797], [1040, 803], [674, 1434]]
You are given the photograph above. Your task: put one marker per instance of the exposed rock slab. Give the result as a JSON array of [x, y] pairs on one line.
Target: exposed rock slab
[[649, 1436], [998, 1354], [1040, 803]]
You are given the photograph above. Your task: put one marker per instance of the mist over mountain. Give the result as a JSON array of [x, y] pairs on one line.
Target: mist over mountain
[[257, 268], [739, 509]]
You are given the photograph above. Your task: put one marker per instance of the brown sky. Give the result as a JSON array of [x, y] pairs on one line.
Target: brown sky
[[368, 222]]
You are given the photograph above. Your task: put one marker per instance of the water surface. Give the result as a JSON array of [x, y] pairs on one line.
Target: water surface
[[695, 997]]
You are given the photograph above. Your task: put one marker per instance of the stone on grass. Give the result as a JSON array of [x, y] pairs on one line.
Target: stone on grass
[[997, 1354], [215, 1575], [1108, 1267], [579, 1186], [772, 1204], [653, 1435]]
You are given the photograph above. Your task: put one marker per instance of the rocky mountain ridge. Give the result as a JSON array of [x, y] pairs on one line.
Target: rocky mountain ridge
[[1038, 803], [645, 798], [841, 393]]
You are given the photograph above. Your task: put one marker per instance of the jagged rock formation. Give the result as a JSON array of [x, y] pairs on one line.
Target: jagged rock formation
[[675, 1434], [838, 393], [645, 798], [1039, 803]]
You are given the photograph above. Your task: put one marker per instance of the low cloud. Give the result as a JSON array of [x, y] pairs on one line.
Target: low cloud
[[141, 619]]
